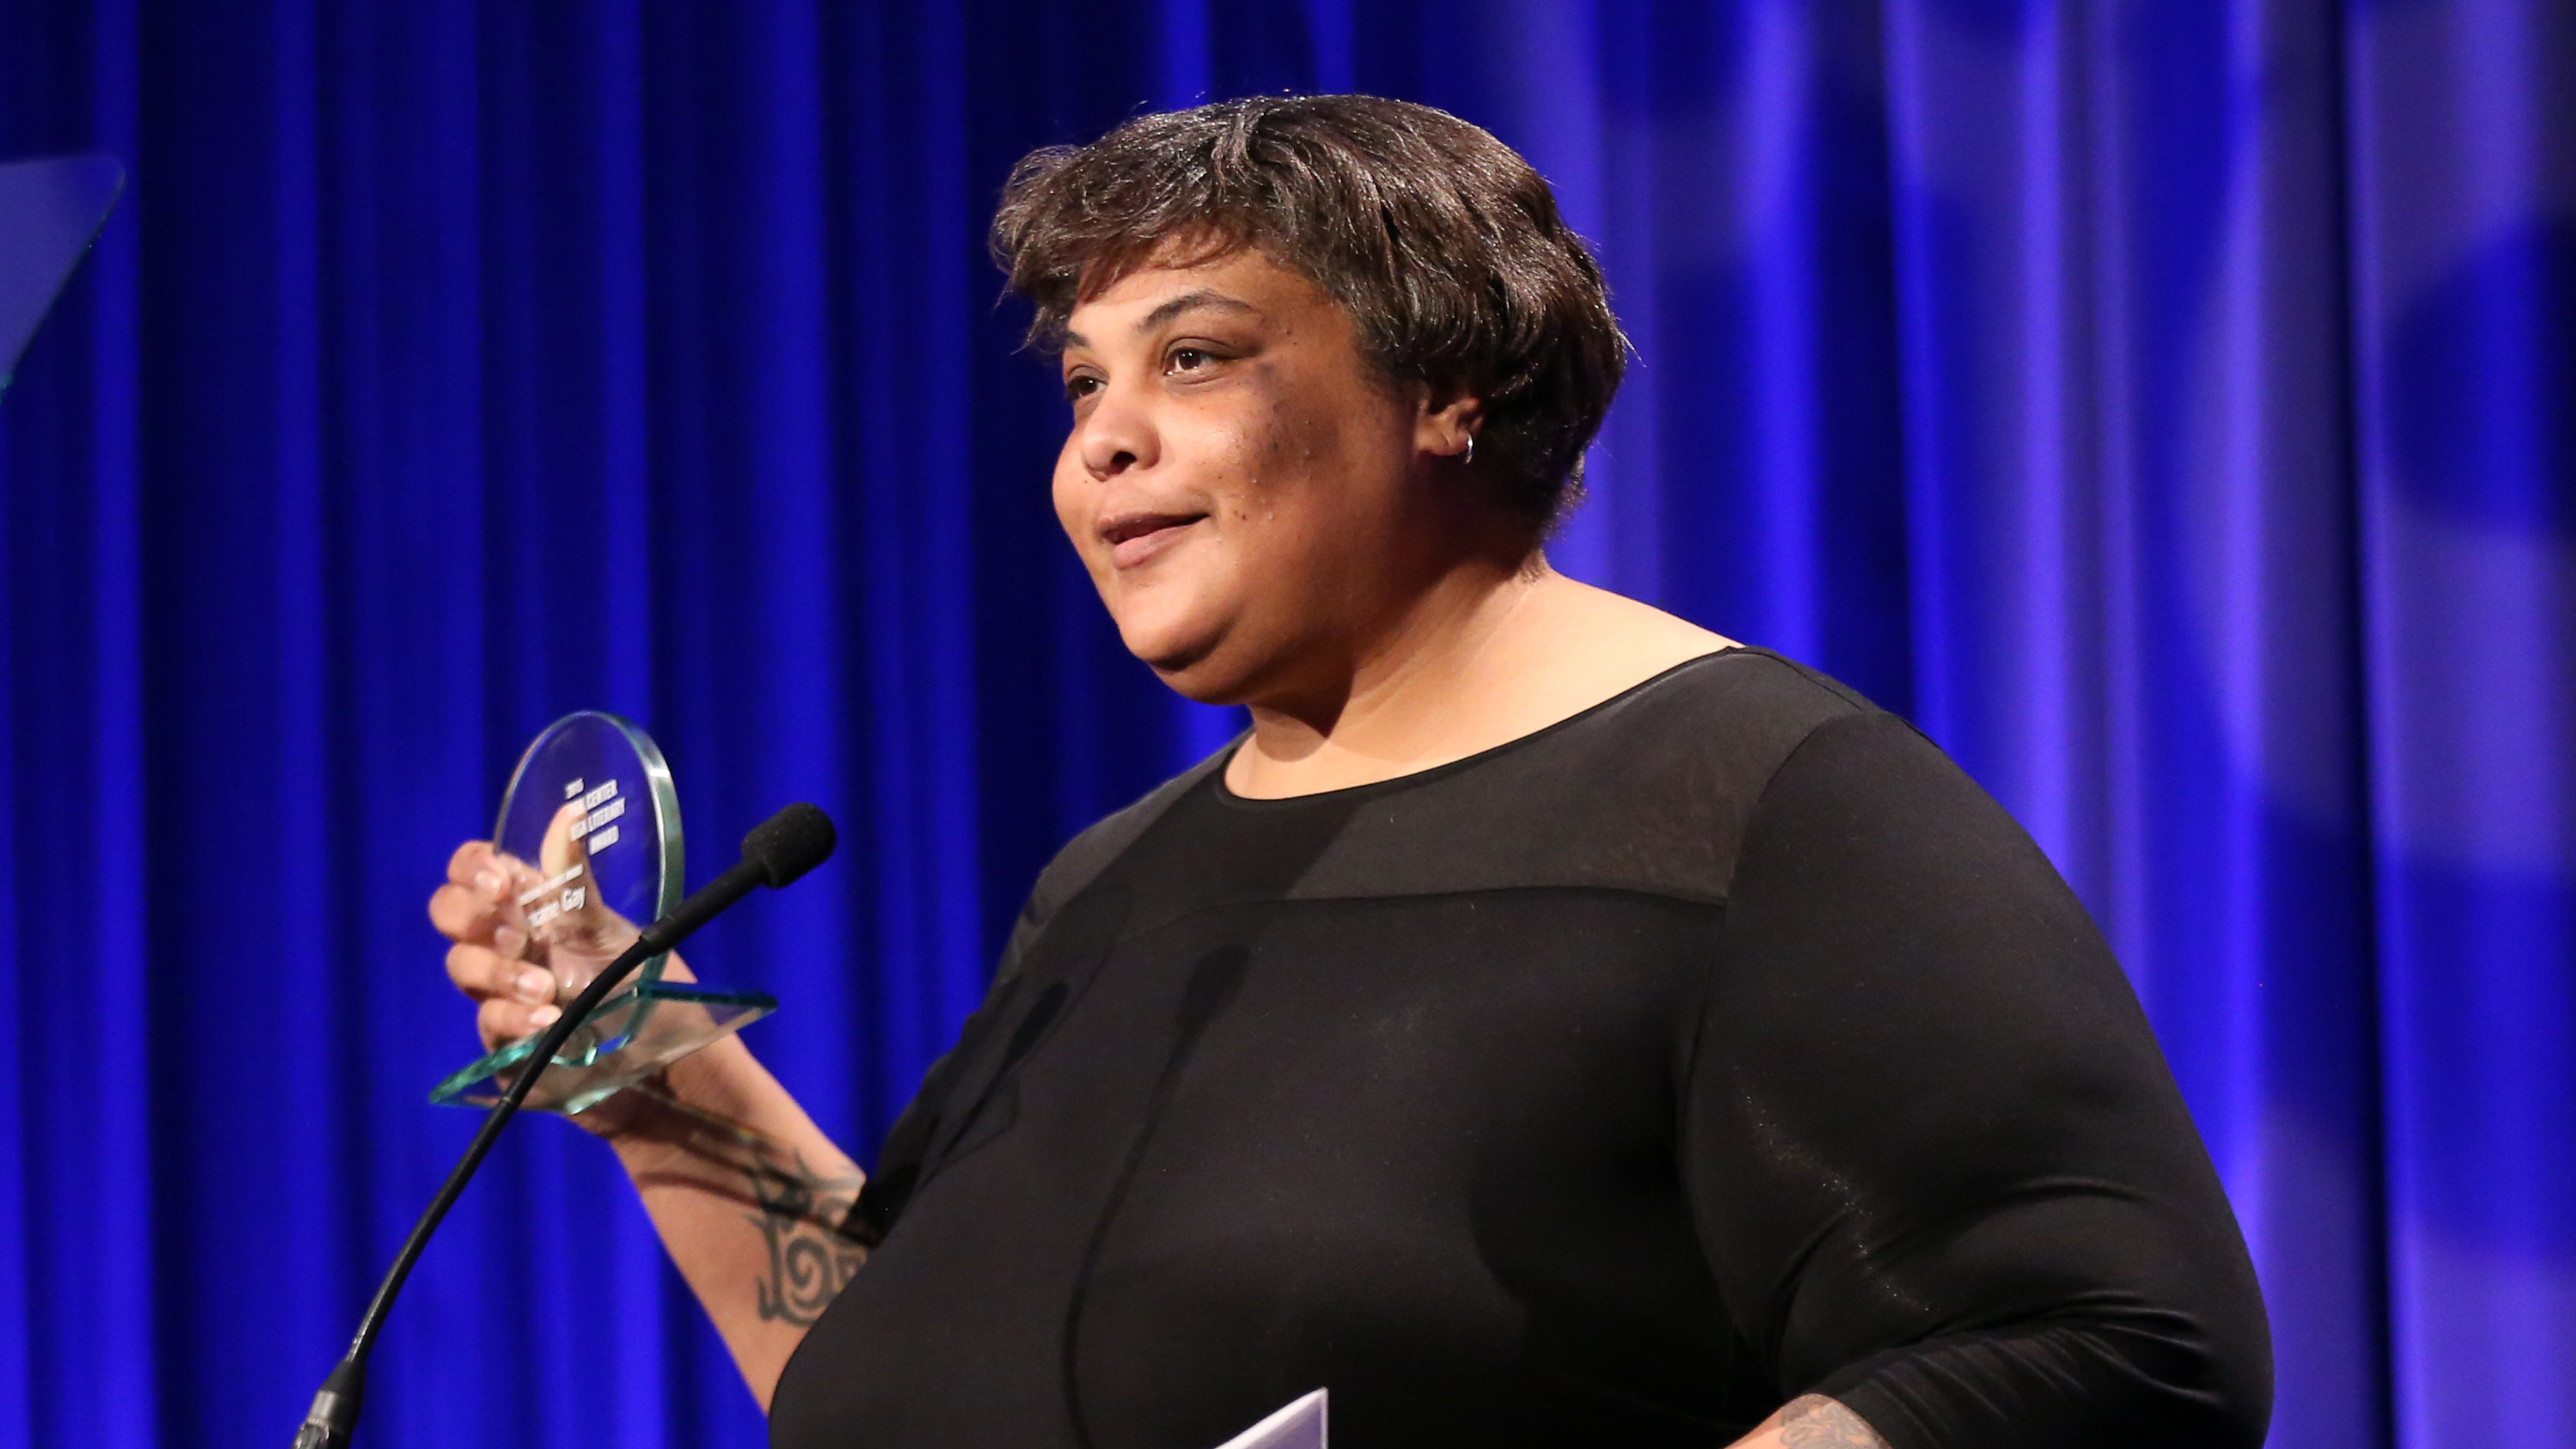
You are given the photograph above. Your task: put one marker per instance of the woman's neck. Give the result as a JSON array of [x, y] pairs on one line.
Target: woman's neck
[[1481, 658]]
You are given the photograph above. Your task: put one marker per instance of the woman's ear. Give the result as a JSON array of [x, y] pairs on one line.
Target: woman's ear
[[1448, 430]]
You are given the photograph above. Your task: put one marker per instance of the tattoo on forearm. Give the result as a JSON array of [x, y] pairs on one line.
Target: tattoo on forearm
[[810, 1261], [801, 1213], [1817, 1422]]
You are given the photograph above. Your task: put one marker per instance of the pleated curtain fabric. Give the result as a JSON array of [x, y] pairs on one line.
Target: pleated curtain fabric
[[2168, 404]]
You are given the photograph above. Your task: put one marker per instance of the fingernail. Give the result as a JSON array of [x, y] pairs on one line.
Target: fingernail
[[489, 882], [534, 986], [544, 1016]]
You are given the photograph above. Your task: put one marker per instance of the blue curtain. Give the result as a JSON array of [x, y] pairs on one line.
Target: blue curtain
[[2170, 404]]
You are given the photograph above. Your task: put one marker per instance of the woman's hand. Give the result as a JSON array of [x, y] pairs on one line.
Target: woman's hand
[[477, 910], [527, 938]]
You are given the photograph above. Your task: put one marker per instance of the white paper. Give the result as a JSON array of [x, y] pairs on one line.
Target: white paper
[[1297, 1426]]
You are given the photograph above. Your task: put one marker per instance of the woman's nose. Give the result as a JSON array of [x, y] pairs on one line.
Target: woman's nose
[[1118, 434]]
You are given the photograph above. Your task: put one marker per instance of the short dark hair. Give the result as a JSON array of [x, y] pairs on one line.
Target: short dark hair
[[1443, 245]]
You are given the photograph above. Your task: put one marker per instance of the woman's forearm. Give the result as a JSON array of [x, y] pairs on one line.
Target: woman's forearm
[[749, 1197]]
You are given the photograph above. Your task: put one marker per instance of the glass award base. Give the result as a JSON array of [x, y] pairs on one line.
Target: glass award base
[[634, 1034]]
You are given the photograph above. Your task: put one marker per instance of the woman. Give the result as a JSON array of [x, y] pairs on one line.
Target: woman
[[1553, 1023]]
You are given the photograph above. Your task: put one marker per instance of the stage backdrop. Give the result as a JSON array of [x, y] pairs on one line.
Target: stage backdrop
[[2167, 403]]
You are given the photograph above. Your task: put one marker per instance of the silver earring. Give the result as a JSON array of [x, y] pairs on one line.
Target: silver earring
[[1468, 459]]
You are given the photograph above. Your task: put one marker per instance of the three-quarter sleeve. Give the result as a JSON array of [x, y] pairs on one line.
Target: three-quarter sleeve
[[1935, 1157]]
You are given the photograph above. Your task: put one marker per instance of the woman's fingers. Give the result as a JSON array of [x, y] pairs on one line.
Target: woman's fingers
[[483, 973], [481, 900], [473, 859], [462, 913], [561, 849], [481, 868], [502, 1021], [480, 882], [477, 909]]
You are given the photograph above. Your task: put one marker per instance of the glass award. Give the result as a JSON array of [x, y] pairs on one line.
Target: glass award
[[590, 834]]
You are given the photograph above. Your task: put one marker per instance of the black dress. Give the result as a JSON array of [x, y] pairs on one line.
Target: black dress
[[1721, 1044]]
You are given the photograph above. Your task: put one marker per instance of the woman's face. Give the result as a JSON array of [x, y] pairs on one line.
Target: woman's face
[[1237, 481]]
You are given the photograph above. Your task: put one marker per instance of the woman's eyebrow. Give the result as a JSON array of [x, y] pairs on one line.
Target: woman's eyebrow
[[1204, 298]]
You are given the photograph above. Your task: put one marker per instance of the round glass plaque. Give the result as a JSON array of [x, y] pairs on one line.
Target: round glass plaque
[[589, 830]]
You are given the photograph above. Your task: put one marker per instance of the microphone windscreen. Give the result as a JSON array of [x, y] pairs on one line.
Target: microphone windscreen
[[790, 843]]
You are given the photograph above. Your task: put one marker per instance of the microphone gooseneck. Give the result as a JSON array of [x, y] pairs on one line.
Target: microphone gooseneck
[[775, 853]]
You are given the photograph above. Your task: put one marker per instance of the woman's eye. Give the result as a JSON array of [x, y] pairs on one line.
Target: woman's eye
[[1189, 359], [1079, 386]]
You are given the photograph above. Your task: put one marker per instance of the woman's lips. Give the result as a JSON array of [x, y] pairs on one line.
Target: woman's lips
[[1132, 541]]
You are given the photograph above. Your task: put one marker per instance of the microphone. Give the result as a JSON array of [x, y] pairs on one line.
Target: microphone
[[776, 852]]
